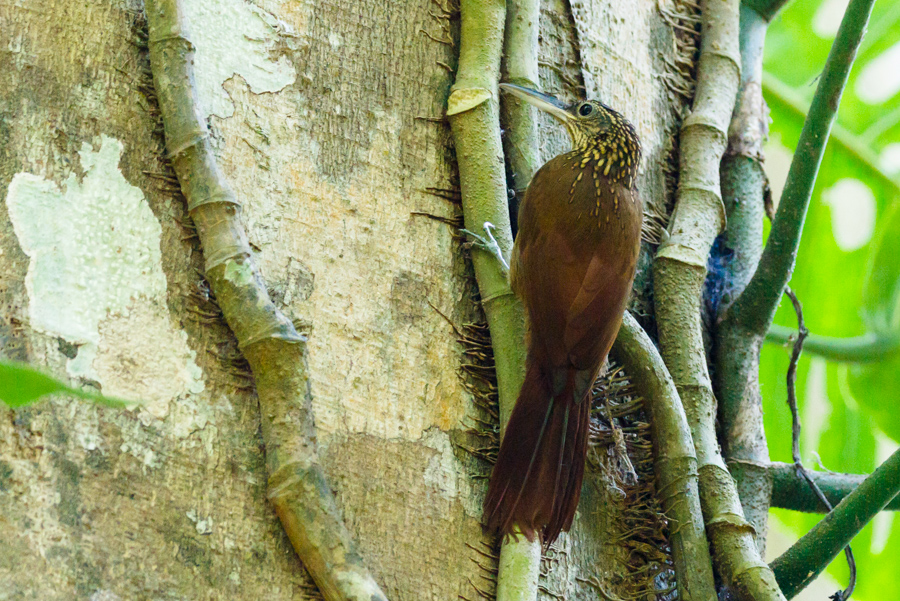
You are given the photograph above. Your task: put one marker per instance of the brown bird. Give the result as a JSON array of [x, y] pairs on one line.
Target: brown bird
[[572, 265]]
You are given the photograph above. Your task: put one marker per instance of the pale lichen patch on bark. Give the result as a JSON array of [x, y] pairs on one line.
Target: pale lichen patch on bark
[[234, 37], [142, 356], [95, 279]]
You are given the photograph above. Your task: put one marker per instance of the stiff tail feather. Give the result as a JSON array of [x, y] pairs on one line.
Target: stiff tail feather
[[536, 482]]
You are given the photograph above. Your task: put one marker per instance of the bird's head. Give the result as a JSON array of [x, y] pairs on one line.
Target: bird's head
[[596, 130]]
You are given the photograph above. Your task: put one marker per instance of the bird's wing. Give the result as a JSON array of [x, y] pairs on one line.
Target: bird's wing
[[595, 314], [549, 257], [548, 276], [572, 265]]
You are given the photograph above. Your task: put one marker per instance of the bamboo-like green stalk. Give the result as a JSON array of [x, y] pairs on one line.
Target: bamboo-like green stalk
[[520, 561], [736, 352], [520, 66], [790, 491], [276, 352], [806, 559], [679, 272], [473, 113], [867, 348], [472, 109], [755, 308], [675, 460]]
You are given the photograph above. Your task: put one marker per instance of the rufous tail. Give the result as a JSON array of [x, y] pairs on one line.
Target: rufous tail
[[536, 482]]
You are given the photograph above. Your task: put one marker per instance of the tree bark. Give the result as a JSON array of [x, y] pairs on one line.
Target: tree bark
[[326, 120]]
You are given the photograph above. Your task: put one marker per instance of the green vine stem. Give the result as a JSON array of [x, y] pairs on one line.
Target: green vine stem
[[743, 322], [472, 109], [754, 309], [789, 491], [867, 348], [276, 352], [806, 559], [519, 566], [676, 461], [679, 272], [520, 66]]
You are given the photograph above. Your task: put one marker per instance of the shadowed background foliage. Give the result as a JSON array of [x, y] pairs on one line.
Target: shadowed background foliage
[[847, 268]]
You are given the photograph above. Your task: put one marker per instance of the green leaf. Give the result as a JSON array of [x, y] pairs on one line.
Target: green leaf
[[847, 273], [881, 293], [21, 385], [797, 44]]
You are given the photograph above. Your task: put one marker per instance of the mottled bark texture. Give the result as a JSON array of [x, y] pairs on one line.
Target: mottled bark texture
[[328, 126], [272, 347]]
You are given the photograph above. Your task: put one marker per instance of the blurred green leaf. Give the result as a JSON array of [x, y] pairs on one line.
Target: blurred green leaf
[[21, 385], [881, 293], [875, 385], [798, 43], [848, 267]]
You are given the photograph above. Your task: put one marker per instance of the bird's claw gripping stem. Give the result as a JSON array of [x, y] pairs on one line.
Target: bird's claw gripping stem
[[487, 243]]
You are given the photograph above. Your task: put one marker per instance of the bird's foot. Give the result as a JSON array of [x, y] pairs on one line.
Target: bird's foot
[[487, 243]]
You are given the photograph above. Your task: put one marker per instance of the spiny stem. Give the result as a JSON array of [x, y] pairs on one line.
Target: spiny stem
[[679, 272], [520, 66], [676, 460], [744, 184], [473, 113], [519, 565], [743, 322]]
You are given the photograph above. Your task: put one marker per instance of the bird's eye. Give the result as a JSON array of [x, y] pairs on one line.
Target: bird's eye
[[585, 109]]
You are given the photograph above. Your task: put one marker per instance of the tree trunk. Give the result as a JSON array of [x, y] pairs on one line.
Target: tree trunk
[[328, 124]]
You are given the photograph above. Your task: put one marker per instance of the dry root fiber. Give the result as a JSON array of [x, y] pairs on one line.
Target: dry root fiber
[[621, 451]]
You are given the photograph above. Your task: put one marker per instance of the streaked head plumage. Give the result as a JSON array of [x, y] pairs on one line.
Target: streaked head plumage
[[598, 132]]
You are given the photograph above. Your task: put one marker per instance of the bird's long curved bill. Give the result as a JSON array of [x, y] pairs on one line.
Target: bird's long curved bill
[[545, 102]]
